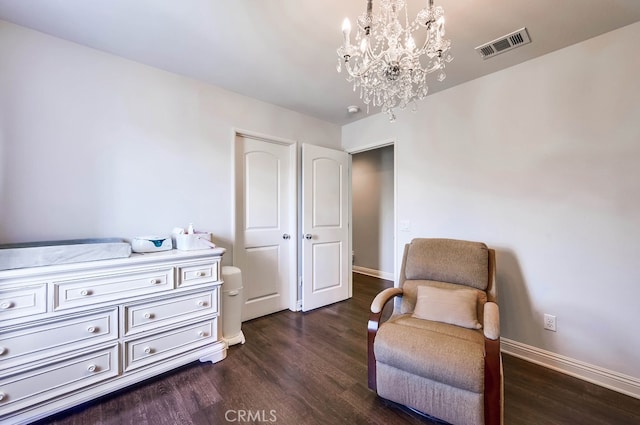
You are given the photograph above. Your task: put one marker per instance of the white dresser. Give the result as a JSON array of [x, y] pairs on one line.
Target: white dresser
[[71, 333]]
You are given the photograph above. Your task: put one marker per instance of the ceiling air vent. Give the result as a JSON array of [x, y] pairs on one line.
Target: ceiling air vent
[[503, 44]]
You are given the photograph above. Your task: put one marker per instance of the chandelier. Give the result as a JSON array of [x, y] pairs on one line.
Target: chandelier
[[389, 62]]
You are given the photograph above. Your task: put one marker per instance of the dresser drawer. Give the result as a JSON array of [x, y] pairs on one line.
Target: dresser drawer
[[43, 383], [93, 290], [146, 316], [151, 349], [72, 333], [23, 301], [199, 273]]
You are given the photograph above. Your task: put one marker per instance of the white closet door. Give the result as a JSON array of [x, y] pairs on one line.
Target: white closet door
[[267, 254], [325, 226]]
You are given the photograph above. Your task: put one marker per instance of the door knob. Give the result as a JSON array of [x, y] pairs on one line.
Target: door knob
[[308, 236], [286, 236]]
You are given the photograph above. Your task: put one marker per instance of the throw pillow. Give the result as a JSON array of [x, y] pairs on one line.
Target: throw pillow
[[454, 306]]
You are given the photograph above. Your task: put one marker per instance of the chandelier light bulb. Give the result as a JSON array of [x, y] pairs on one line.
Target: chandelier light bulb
[[346, 31], [411, 44], [364, 44]]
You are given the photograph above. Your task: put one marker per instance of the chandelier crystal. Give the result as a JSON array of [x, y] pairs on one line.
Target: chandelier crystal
[[389, 62]]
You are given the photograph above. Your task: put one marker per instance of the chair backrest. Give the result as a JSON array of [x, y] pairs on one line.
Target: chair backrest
[[448, 260], [443, 262]]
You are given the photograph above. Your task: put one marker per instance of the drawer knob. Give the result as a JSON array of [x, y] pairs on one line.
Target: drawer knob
[[156, 281], [202, 274], [2, 396], [91, 329], [202, 333], [85, 292], [148, 315], [92, 368], [6, 305], [201, 303], [147, 350], [3, 351]]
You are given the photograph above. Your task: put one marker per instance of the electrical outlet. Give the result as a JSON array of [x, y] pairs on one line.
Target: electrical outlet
[[550, 322]]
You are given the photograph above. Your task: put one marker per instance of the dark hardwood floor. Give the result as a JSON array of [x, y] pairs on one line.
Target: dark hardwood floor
[[310, 368]]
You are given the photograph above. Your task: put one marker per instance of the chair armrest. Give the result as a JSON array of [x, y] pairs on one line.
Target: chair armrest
[[491, 321], [493, 365], [381, 299], [377, 305]]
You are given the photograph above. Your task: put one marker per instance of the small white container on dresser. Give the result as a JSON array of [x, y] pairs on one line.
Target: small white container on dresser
[[71, 333]]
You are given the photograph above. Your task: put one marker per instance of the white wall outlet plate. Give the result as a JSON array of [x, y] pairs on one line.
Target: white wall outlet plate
[[550, 322]]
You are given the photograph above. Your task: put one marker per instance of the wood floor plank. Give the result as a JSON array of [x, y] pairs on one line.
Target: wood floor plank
[[310, 369]]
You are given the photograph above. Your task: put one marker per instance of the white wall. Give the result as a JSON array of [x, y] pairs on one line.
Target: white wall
[[372, 211], [93, 145], [541, 162]]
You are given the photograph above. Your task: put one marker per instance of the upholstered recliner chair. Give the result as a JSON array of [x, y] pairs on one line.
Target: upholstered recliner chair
[[439, 352]]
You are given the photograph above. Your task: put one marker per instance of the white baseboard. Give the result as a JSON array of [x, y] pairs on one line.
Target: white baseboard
[[372, 272], [596, 375]]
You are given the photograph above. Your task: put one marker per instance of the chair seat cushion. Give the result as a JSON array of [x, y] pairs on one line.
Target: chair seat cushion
[[438, 351]]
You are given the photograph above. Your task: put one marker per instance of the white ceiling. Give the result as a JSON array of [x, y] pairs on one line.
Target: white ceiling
[[284, 51]]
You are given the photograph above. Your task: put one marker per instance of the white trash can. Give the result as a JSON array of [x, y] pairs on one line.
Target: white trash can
[[232, 305]]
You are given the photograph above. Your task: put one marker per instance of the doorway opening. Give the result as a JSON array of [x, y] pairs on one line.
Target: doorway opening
[[373, 191]]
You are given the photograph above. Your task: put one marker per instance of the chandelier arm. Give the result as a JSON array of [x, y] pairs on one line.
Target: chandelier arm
[[434, 68], [372, 62], [423, 49], [361, 73]]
